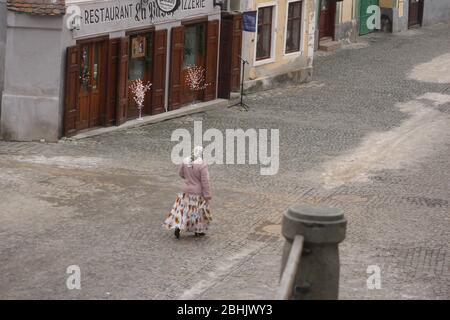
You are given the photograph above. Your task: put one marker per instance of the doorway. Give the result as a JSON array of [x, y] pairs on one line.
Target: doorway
[[327, 19], [194, 56], [140, 66], [193, 44], [415, 13], [230, 53], [92, 78]]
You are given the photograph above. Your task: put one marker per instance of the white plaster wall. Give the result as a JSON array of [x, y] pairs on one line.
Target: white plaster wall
[[436, 11], [32, 81]]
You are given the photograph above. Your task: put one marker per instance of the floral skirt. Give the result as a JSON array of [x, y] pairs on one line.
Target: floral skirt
[[190, 213]]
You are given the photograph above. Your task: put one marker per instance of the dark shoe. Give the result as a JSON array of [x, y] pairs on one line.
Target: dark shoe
[[177, 233], [200, 234]]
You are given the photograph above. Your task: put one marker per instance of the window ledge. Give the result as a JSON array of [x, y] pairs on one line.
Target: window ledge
[[263, 62], [293, 54]]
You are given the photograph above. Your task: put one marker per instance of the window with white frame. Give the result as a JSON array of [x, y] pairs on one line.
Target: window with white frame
[[265, 31], [294, 27]]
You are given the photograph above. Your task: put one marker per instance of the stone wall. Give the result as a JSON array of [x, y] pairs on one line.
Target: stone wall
[[436, 11], [347, 31]]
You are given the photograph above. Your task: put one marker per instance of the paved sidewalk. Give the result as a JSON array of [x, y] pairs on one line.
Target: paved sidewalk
[[369, 135]]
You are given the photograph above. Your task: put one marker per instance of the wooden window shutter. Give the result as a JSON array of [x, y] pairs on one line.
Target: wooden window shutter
[[211, 59], [176, 68], [122, 94], [236, 53], [159, 72], [72, 90], [111, 91]]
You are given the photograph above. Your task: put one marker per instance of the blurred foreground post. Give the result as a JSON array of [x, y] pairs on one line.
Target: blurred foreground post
[[310, 265]]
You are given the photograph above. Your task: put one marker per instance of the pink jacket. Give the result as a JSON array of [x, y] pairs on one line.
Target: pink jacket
[[196, 179]]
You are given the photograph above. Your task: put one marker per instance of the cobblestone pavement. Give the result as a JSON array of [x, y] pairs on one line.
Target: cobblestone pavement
[[370, 135]]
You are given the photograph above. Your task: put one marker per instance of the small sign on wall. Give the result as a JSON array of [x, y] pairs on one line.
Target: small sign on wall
[[249, 18], [138, 45]]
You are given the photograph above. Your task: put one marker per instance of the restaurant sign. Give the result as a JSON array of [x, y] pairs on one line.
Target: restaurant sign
[[168, 5], [90, 18]]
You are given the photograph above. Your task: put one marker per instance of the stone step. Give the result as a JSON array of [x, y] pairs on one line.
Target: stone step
[[329, 45], [325, 39]]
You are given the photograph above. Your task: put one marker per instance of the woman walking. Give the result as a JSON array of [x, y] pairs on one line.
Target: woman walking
[[191, 212]]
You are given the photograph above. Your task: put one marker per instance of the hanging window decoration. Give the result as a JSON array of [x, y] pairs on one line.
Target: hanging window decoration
[[85, 75]]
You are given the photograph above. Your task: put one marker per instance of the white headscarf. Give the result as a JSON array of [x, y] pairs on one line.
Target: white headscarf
[[196, 158]]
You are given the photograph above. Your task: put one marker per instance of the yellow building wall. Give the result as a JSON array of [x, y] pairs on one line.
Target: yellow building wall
[[280, 62], [399, 4], [347, 10], [401, 8], [387, 3]]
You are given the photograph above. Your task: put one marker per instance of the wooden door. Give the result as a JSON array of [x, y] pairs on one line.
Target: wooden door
[[71, 108], [326, 19], [230, 53], [212, 48], [236, 53], [113, 69], [85, 82], [92, 78], [96, 87], [176, 68], [226, 32], [415, 13], [122, 93], [159, 72]]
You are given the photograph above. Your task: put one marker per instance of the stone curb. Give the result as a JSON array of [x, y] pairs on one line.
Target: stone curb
[[200, 107]]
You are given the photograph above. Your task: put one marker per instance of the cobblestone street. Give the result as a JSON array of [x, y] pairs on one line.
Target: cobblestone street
[[370, 134]]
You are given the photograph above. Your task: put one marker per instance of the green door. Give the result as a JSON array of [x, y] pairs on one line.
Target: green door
[[364, 16]]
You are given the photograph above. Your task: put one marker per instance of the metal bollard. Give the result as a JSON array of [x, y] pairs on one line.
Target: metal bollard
[[323, 229]]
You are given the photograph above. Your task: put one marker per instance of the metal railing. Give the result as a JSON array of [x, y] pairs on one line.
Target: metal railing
[[291, 270]]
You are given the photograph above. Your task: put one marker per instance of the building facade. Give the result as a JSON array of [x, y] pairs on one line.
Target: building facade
[[345, 20], [400, 15], [281, 48], [85, 55], [337, 21]]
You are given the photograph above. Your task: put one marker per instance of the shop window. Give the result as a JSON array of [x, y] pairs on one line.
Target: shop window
[[265, 27], [294, 27], [141, 49], [194, 45]]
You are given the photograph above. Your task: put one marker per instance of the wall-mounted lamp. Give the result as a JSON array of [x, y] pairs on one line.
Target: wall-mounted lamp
[[219, 3]]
